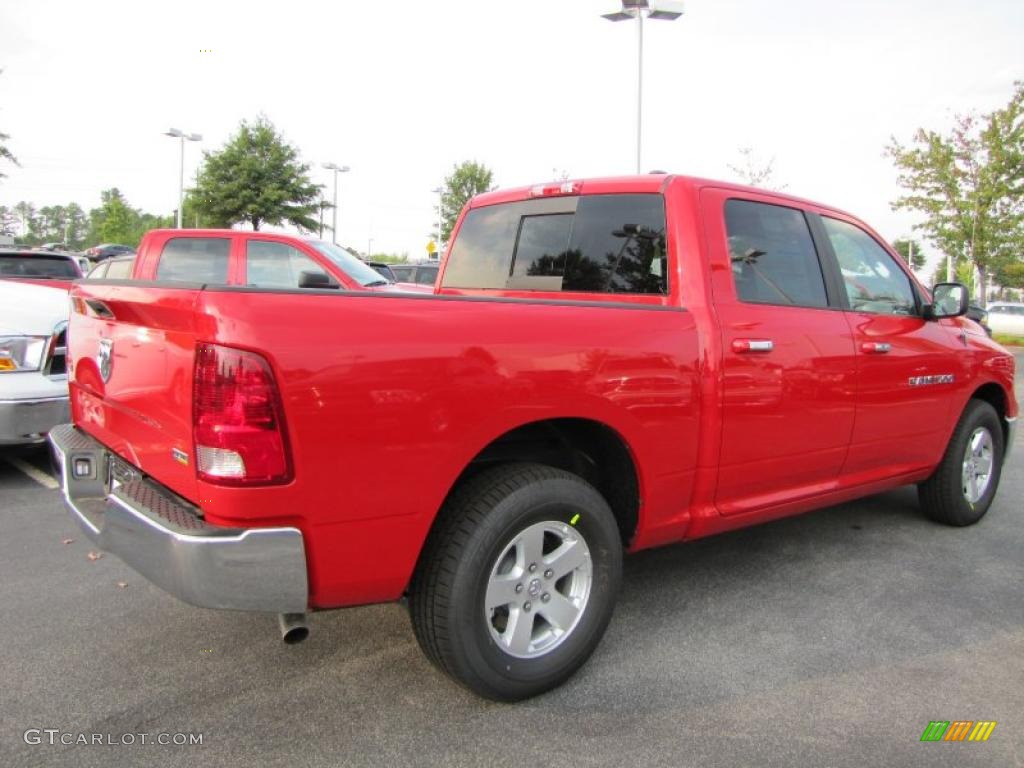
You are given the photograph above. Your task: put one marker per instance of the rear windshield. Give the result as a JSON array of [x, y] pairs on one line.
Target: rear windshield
[[592, 243], [426, 275], [37, 265]]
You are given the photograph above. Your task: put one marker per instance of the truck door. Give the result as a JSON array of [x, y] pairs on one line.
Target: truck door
[[906, 366], [787, 361]]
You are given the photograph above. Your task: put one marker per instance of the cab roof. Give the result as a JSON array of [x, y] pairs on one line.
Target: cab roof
[[650, 183]]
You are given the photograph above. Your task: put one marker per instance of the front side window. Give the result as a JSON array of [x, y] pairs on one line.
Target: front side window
[[873, 280], [592, 244], [773, 256], [269, 264], [359, 271], [195, 260]]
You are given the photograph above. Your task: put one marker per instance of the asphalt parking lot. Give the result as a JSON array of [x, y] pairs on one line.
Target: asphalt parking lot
[[826, 640]]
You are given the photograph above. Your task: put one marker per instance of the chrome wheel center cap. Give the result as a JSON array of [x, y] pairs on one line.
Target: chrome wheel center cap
[[534, 588]]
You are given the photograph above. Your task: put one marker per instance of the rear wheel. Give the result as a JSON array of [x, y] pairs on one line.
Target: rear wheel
[[962, 488], [518, 580]]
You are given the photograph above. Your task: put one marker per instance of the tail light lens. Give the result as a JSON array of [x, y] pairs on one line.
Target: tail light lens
[[237, 419]]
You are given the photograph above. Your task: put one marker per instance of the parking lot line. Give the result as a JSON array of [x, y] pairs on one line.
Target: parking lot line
[[36, 474]]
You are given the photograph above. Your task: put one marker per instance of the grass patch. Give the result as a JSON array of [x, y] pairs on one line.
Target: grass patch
[[1009, 341]]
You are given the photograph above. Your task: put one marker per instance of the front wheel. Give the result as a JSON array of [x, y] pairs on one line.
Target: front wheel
[[518, 581], [962, 488]]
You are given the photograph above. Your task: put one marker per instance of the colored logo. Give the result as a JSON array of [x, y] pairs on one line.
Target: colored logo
[[958, 730]]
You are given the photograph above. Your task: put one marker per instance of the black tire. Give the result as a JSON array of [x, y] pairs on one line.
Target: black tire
[[942, 496], [479, 522]]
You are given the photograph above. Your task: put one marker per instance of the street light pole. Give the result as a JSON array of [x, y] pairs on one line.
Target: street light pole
[[639, 87], [177, 134], [660, 10], [334, 215], [439, 191]]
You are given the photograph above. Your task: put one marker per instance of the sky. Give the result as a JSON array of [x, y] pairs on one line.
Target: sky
[[401, 91]]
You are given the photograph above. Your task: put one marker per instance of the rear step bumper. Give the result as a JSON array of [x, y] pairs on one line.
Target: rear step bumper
[[162, 537]]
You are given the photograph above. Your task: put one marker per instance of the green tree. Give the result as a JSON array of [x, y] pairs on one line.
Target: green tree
[[910, 250], [75, 225], [257, 178], [8, 221], [194, 215], [969, 186], [27, 213], [51, 223], [117, 223], [389, 258], [466, 179], [5, 153], [1011, 275]]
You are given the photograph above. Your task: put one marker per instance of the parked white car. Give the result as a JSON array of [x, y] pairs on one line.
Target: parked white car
[[33, 373], [1006, 317]]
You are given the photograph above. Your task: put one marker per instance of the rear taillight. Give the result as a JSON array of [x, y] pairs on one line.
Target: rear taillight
[[237, 419]]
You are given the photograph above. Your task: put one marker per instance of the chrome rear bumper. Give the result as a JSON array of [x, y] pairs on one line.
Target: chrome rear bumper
[[163, 538]]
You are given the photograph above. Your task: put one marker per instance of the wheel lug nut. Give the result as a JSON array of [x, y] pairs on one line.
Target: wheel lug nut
[[527, 606], [519, 587], [533, 567], [545, 597], [548, 573]]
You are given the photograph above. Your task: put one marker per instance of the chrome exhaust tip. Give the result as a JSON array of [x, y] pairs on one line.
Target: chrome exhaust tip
[[293, 627]]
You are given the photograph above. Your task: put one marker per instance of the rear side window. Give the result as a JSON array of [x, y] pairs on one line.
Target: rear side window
[[119, 270], [773, 256], [276, 265], [593, 244], [194, 260]]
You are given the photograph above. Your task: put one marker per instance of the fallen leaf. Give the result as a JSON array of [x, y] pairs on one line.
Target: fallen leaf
[[94, 556], [67, 541], [122, 584]]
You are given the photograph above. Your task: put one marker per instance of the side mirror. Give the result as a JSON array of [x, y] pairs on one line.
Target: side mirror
[[948, 300], [316, 280]]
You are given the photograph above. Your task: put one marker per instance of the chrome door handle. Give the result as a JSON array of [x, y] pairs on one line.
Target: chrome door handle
[[752, 345], [875, 347]]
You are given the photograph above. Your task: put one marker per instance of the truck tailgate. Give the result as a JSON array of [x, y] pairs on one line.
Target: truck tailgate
[[131, 353]]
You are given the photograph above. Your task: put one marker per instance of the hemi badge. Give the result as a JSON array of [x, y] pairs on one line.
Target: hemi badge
[[924, 381], [179, 456]]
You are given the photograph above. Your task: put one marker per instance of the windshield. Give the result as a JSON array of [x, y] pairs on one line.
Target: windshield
[[362, 273], [37, 265]]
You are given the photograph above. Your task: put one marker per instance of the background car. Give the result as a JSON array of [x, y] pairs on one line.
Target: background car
[[1006, 317], [106, 250], [39, 264], [420, 274], [980, 316], [117, 268]]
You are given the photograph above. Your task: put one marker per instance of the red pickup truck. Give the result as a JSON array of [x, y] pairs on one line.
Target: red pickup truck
[[254, 259], [606, 366]]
